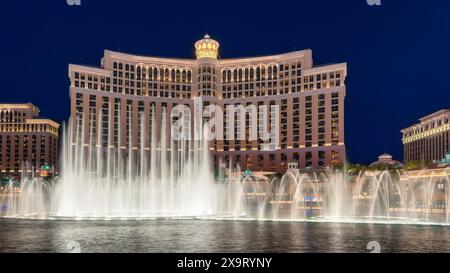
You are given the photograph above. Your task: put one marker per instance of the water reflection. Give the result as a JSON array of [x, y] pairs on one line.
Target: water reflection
[[216, 236]]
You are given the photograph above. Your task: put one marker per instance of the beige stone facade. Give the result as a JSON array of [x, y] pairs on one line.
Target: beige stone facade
[[127, 88], [27, 142], [428, 140]]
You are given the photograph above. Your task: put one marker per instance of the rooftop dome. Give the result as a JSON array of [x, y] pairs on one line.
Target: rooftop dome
[[386, 159], [207, 48]]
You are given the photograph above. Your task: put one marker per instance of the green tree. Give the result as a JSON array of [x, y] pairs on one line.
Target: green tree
[[416, 165]]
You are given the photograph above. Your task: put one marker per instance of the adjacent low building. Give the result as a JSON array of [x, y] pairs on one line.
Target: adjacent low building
[[428, 140], [28, 143]]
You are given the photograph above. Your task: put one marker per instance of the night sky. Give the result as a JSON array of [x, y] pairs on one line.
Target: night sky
[[397, 53]]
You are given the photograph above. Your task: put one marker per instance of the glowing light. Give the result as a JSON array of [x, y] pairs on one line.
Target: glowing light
[[207, 48]]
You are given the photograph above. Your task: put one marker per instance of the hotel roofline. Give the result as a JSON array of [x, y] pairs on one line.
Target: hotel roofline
[[128, 56], [427, 118], [435, 115], [42, 121], [35, 110], [222, 63], [29, 105]]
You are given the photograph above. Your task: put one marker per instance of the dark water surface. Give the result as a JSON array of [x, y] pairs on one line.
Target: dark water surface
[[216, 236]]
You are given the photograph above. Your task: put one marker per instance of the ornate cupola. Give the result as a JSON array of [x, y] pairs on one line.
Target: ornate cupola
[[207, 48]]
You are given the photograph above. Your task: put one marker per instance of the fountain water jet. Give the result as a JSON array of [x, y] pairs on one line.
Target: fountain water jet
[[117, 182], [174, 179]]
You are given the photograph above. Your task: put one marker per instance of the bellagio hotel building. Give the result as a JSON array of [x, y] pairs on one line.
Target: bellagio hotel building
[[115, 97]]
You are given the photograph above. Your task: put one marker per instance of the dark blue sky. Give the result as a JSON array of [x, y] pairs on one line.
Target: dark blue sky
[[397, 53]]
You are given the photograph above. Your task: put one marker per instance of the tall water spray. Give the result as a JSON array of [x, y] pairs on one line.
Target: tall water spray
[[162, 179]]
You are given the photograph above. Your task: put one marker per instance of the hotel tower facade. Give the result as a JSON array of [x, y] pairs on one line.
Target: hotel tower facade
[[27, 142], [115, 98], [428, 140]]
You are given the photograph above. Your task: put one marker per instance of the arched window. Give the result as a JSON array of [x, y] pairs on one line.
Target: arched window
[[144, 73], [155, 74], [189, 76], [172, 75], [224, 76], [138, 72], [166, 75], [183, 76], [178, 75], [161, 74], [150, 73]]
